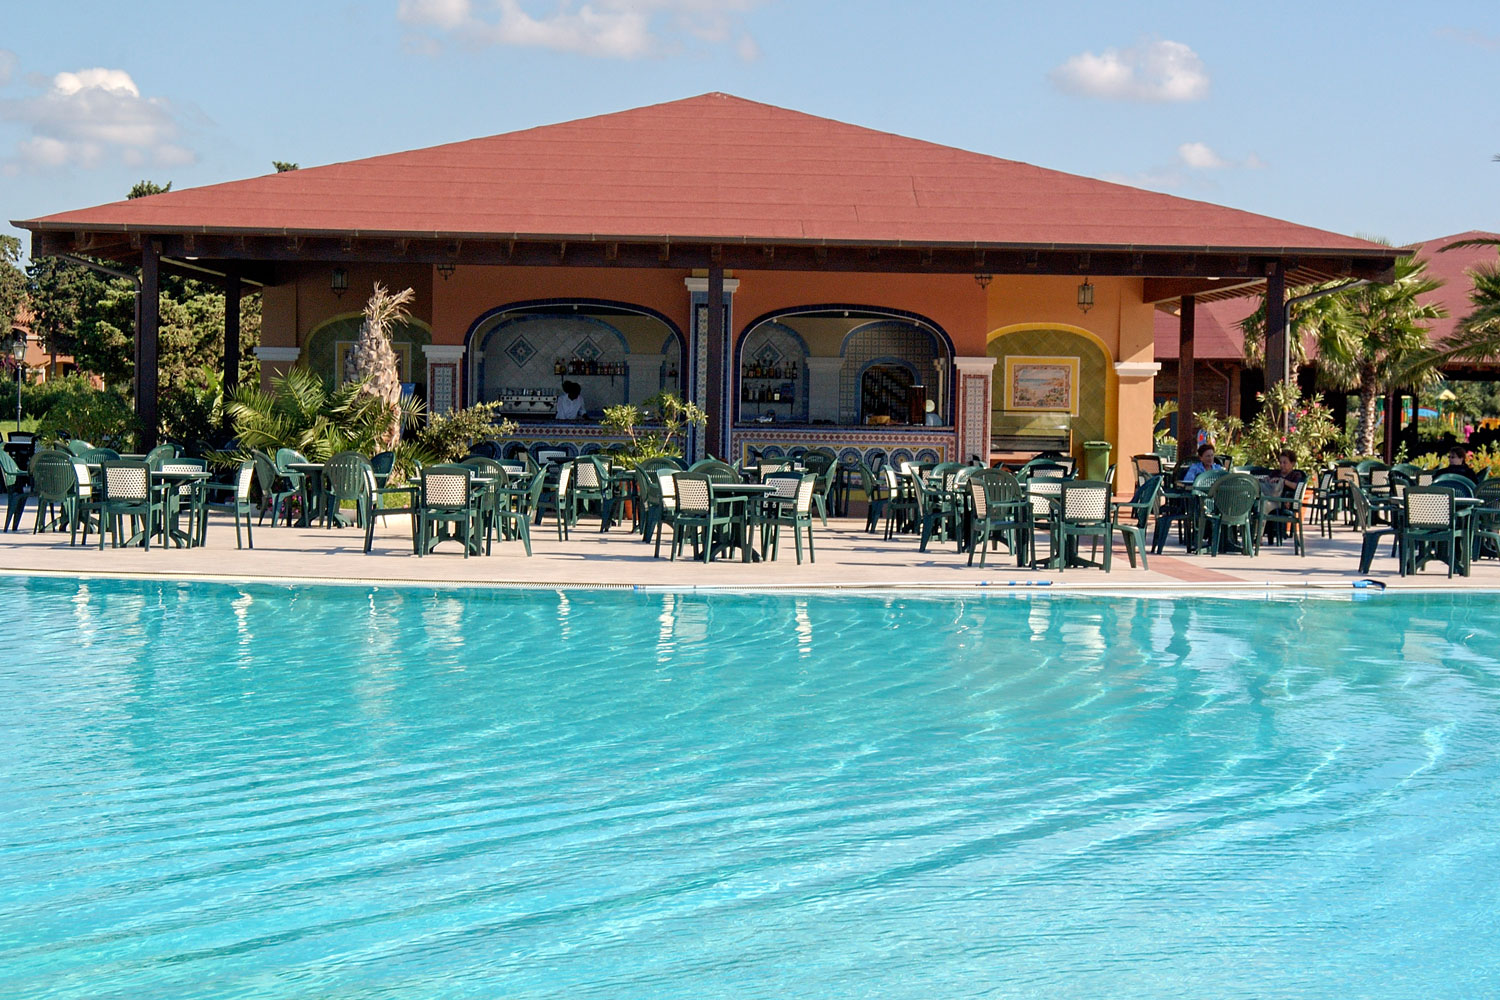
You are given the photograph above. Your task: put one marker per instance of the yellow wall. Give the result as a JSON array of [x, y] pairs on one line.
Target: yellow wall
[[1120, 323]]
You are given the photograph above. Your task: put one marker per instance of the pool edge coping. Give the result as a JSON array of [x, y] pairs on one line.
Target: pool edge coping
[[1014, 587]]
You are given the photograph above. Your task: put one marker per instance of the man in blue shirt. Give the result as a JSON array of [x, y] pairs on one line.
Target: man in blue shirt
[[1204, 463]]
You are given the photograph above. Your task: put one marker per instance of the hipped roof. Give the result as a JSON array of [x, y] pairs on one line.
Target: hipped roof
[[710, 168]]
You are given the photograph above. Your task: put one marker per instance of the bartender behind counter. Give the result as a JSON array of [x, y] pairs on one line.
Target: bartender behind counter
[[570, 403]]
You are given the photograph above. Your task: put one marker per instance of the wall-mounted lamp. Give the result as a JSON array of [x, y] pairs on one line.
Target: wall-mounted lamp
[[446, 270], [339, 282], [983, 280], [1085, 296]]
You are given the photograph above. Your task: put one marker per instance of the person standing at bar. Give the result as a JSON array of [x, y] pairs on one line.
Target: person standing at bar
[[570, 403]]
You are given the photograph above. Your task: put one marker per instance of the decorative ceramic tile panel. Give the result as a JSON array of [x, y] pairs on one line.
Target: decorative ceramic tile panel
[[974, 415], [874, 341], [520, 351], [442, 388]]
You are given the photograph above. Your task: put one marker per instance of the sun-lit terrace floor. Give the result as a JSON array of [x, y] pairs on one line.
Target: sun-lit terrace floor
[[846, 557]]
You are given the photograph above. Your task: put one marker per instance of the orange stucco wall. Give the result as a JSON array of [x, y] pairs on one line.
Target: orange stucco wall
[[472, 291], [970, 315]]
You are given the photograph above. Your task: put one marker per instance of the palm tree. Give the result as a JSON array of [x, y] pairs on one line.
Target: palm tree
[[1478, 335], [1368, 338], [372, 360], [1373, 340], [302, 412]]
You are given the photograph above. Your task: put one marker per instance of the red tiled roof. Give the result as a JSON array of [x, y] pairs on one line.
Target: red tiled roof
[[713, 167], [1216, 330], [1452, 268]]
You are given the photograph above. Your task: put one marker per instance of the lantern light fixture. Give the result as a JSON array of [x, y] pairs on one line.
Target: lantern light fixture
[[445, 269], [983, 280], [1085, 296], [340, 282]]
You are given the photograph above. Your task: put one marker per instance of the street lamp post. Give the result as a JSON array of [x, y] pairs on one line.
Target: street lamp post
[[18, 354]]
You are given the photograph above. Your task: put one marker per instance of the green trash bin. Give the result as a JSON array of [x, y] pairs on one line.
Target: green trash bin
[[1096, 459]]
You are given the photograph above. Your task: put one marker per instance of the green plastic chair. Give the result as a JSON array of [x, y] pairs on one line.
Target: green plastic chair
[[698, 514], [78, 447], [1083, 512], [179, 496], [516, 516], [877, 495], [998, 512], [447, 497], [126, 492], [16, 484], [276, 488], [64, 494], [161, 453], [1286, 514], [591, 486], [489, 506], [1430, 526], [1235, 505], [235, 501], [1371, 532], [557, 498], [790, 506], [1131, 517]]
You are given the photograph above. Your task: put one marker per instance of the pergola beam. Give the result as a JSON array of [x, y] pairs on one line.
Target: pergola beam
[[1154, 266]]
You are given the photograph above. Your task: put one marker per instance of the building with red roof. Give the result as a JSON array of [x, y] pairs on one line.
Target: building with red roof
[[809, 282]]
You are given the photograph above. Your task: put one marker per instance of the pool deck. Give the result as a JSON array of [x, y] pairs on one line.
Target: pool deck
[[847, 557]]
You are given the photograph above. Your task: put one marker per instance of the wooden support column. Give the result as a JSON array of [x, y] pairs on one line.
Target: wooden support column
[[1186, 324], [1392, 424], [231, 331], [718, 434], [1278, 356], [146, 338]]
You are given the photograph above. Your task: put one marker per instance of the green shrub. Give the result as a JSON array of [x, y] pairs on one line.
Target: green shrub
[[75, 409], [448, 437]]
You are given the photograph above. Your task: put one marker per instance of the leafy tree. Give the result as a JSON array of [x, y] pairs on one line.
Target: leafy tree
[[282, 166], [143, 189], [372, 362], [12, 283], [78, 410]]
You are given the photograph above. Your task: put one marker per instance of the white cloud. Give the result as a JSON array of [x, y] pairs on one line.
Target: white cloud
[[621, 29], [1200, 156], [1469, 36], [7, 66], [1156, 70], [91, 116]]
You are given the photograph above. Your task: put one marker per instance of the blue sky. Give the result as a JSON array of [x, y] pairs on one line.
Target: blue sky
[[1372, 118]]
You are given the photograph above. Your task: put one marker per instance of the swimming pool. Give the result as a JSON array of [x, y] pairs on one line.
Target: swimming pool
[[224, 791]]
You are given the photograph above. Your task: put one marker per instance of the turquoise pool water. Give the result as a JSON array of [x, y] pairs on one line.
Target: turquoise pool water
[[218, 791]]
